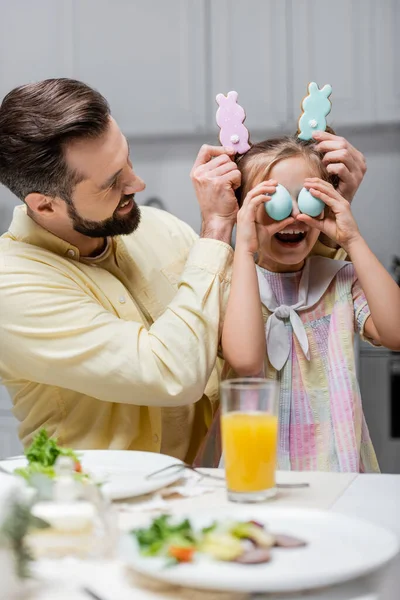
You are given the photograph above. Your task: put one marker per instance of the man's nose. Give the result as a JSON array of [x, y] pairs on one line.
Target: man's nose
[[135, 184]]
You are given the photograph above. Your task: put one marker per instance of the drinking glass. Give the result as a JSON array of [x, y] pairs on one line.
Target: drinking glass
[[249, 425]]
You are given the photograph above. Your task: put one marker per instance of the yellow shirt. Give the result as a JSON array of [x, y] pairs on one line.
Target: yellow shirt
[[118, 351], [334, 253]]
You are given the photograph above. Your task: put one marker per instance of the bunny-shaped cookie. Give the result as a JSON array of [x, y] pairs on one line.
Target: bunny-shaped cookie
[[316, 106], [230, 116]]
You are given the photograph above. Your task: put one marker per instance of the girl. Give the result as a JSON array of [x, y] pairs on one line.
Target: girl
[[292, 316]]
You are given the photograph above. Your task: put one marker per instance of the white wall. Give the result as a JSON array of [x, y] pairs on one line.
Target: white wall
[[9, 441], [377, 205]]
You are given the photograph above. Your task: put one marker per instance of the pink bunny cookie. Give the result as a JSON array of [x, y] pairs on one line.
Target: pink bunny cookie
[[230, 117]]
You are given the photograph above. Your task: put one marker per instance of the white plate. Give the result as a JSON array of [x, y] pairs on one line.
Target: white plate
[[123, 471], [339, 548]]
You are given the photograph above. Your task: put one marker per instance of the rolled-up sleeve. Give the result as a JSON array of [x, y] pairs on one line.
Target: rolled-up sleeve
[[53, 332]]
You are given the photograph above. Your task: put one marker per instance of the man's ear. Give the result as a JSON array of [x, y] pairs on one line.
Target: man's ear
[[39, 203]]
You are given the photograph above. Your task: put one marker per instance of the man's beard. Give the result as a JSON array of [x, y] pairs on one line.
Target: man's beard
[[115, 225]]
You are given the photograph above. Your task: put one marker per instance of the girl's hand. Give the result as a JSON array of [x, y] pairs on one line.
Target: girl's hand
[[247, 233], [254, 226], [339, 224]]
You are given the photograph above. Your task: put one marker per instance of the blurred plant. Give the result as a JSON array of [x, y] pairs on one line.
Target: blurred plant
[[13, 530]]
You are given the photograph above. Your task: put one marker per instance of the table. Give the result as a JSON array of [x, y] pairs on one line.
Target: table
[[373, 497]]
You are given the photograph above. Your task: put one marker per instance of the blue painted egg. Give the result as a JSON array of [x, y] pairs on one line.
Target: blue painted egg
[[308, 204], [280, 206]]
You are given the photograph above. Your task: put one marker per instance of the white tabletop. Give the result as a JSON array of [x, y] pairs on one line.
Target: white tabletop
[[377, 499], [373, 497]]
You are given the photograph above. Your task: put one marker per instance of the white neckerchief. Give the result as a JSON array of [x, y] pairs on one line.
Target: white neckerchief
[[317, 275]]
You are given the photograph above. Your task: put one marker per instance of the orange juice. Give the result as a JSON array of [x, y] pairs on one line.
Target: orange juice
[[249, 442]]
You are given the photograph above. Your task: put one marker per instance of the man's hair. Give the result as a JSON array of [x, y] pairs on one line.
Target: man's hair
[[36, 123]]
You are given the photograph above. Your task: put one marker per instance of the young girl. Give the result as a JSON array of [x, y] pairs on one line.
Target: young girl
[[291, 317]]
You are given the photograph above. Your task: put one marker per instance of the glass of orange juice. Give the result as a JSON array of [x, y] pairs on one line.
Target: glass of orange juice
[[249, 425]]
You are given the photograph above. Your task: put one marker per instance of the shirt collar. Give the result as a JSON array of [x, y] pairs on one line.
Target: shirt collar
[[24, 229]]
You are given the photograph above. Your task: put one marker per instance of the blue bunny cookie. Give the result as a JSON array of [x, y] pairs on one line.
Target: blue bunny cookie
[[316, 106]]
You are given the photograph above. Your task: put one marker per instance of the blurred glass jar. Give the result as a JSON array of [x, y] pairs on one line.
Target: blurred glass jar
[[81, 522]]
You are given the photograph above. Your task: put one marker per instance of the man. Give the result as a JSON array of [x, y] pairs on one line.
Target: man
[[109, 315]]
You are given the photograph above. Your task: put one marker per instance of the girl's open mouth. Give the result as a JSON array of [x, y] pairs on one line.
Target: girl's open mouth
[[290, 237]]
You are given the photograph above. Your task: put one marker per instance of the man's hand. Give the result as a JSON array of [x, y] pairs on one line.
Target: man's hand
[[215, 176], [343, 160]]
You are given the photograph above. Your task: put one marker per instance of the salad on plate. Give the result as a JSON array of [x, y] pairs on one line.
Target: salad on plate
[[245, 542], [42, 455]]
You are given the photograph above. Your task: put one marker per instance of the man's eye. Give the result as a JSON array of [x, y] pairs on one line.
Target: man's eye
[[114, 184]]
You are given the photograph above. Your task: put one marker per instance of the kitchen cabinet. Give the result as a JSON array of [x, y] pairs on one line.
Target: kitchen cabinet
[[35, 41], [387, 61], [248, 53], [334, 43], [379, 378], [147, 59], [160, 64], [269, 50]]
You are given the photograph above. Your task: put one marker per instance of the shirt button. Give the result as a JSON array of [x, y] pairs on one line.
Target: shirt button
[[155, 438], [71, 253], [122, 299]]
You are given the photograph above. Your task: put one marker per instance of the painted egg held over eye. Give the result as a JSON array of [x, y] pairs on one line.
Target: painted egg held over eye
[[280, 206], [308, 204]]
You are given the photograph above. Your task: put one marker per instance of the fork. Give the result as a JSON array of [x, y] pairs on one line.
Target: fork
[[182, 466]]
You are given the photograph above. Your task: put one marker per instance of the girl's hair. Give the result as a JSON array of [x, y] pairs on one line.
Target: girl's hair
[[256, 164]]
